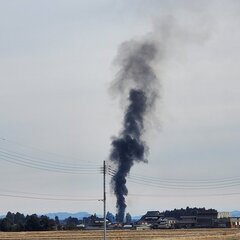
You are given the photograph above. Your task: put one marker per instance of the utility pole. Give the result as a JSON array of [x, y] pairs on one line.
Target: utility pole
[[104, 198]]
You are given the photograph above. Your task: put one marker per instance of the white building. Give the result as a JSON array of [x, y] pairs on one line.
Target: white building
[[224, 215]]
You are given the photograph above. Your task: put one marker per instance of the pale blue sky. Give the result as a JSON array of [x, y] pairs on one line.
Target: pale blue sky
[[55, 69]]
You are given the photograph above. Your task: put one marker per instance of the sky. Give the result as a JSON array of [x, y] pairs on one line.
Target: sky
[[58, 115]]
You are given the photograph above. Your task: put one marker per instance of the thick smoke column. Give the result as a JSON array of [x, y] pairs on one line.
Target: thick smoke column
[[137, 82]]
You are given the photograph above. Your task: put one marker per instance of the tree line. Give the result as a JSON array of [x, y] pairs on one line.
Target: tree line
[[178, 213], [19, 222], [15, 222]]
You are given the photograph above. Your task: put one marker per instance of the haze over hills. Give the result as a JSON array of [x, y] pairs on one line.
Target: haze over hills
[[81, 215], [235, 213], [64, 215]]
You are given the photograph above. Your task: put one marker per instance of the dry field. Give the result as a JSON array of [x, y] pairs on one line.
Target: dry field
[[193, 234]]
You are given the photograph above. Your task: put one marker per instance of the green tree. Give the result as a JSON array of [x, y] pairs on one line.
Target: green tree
[[110, 217], [32, 223], [46, 224], [71, 223], [57, 222], [19, 222], [10, 216], [128, 218], [6, 225]]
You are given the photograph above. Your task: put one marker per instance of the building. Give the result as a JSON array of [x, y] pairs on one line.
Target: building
[[202, 219], [234, 222], [207, 218], [231, 222], [181, 218], [166, 223], [94, 222], [187, 222], [151, 217], [224, 215]]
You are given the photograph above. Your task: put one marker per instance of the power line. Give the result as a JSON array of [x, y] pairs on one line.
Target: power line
[[175, 185], [184, 196], [33, 160], [48, 161], [58, 197], [21, 160], [43, 194], [26, 160], [45, 168], [50, 198], [185, 181], [4, 140], [177, 180]]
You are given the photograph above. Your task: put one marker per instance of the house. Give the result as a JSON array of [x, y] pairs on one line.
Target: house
[[94, 222], [142, 227], [223, 223], [187, 222], [151, 217], [127, 226], [231, 222], [207, 218], [81, 226], [223, 215], [165, 223], [234, 222]]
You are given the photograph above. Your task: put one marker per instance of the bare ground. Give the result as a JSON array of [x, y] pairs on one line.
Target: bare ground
[[192, 234]]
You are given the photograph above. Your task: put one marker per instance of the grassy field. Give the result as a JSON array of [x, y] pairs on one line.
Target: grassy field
[[193, 234]]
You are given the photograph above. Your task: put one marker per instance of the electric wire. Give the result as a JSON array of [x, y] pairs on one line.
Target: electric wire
[[22, 160], [36, 149], [62, 196], [47, 161], [175, 185], [186, 181], [184, 196], [182, 187], [16, 161], [180, 180], [49, 198], [153, 180], [32, 160], [26, 160]]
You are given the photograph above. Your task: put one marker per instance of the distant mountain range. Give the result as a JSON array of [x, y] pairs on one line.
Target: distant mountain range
[[235, 213], [81, 215], [64, 215]]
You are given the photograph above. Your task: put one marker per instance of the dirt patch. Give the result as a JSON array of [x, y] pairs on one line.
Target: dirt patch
[[191, 234]]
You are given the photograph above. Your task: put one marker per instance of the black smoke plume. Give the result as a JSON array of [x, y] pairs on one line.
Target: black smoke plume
[[137, 82]]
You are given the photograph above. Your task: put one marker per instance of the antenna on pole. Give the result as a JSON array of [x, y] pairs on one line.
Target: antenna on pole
[[104, 198]]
